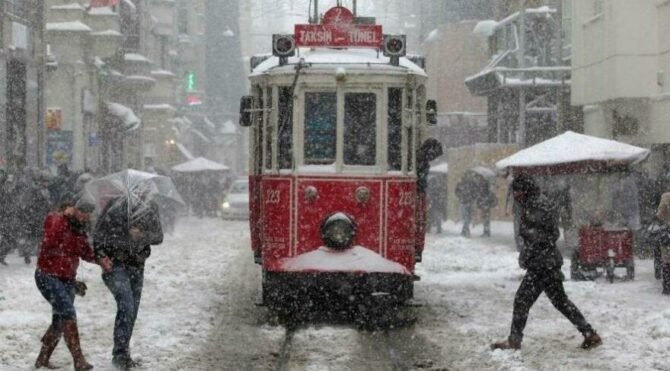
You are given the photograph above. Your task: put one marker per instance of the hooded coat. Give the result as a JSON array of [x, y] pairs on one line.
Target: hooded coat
[[538, 228], [112, 238]]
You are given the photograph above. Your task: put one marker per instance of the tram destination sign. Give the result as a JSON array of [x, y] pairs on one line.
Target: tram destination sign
[[338, 30]]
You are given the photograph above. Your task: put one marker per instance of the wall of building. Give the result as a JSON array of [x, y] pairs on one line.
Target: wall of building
[[614, 51], [452, 54]]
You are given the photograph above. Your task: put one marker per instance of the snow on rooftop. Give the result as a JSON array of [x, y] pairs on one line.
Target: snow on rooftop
[[571, 147], [140, 78], [74, 26], [107, 33], [130, 4], [72, 6], [369, 59], [355, 259], [485, 28], [536, 11], [433, 35], [163, 106], [162, 73], [102, 11], [199, 164], [135, 57]]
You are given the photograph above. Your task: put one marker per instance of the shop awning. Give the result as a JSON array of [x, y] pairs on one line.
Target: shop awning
[[199, 164], [125, 115], [572, 152]]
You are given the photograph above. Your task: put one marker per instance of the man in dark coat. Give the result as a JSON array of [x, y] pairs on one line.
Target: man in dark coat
[[124, 233], [542, 261]]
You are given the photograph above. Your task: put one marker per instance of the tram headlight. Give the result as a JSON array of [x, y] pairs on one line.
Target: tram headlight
[[338, 231], [225, 205], [394, 45]]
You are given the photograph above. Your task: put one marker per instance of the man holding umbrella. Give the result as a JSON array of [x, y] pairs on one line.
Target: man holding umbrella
[[125, 231]]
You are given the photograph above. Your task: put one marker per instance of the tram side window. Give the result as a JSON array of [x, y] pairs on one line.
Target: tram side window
[[320, 128], [360, 128], [258, 129], [395, 129], [285, 131], [269, 129], [410, 133]]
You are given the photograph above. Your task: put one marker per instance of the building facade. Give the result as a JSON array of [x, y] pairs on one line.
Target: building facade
[[527, 79], [620, 55], [22, 68]]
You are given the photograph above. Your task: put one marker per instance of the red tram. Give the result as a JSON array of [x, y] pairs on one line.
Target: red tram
[[335, 118]]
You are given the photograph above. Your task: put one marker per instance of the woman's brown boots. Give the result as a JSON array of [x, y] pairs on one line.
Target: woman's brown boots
[[71, 335], [49, 343]]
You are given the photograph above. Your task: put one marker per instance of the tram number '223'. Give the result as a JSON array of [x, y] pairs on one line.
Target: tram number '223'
[[406, 199], [272, 196]]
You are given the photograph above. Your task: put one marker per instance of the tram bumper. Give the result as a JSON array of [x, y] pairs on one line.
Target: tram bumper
[[345, 275], [282, 288]]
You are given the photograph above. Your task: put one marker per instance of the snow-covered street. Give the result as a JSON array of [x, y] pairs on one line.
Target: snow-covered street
[[198, 312]]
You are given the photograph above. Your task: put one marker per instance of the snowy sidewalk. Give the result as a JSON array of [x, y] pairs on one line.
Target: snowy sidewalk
[[469, 285]]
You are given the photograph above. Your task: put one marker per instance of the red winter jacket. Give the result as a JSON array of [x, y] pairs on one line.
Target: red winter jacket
[[61, 248]]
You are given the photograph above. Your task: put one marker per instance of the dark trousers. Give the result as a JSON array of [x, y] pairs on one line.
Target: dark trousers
[[533, 284], [60, 294], [665, 273], [125, 282], [486, 221], [7, 243]]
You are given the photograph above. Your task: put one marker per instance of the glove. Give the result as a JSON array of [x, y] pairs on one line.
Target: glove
[[80, 288]]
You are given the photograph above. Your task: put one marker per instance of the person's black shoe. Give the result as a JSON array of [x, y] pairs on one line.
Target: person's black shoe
[[125, 363], [591, 340], [121, 363], [506, 344], [26, 259]]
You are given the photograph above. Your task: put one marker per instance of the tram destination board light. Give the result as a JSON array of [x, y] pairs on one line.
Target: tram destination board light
[[283, 46]]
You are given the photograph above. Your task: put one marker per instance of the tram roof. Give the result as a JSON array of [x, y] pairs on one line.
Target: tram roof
[[331, 59]]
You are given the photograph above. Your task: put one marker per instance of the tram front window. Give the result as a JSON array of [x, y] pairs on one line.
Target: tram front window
[[320, 128], [360, 128]]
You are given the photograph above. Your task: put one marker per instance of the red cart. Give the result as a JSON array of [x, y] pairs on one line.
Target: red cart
[[600, 232], [604, 249]]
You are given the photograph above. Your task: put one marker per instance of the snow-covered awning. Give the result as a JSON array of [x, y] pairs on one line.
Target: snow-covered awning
[[184, 151], [572, 152], [492, 78], [442, 168], [126, 115], [75, 26], [199, 164]]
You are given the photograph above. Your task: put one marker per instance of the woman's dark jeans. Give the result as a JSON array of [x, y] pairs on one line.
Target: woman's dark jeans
[[60, 294], [125, 282]]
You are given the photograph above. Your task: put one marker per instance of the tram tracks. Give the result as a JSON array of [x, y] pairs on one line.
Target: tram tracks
[[385, 352]]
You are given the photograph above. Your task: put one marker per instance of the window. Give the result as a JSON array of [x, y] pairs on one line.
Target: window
[[566, 24], [285, 128], [269, 128], [320, 127], [360, 128], [182, 19], [597, 7], [17, 8], [395, 129]]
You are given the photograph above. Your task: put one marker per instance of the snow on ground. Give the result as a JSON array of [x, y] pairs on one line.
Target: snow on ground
[[467, 287], [175, 312]]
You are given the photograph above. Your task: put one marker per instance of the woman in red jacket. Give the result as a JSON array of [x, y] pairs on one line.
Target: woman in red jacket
[[64, 242]]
